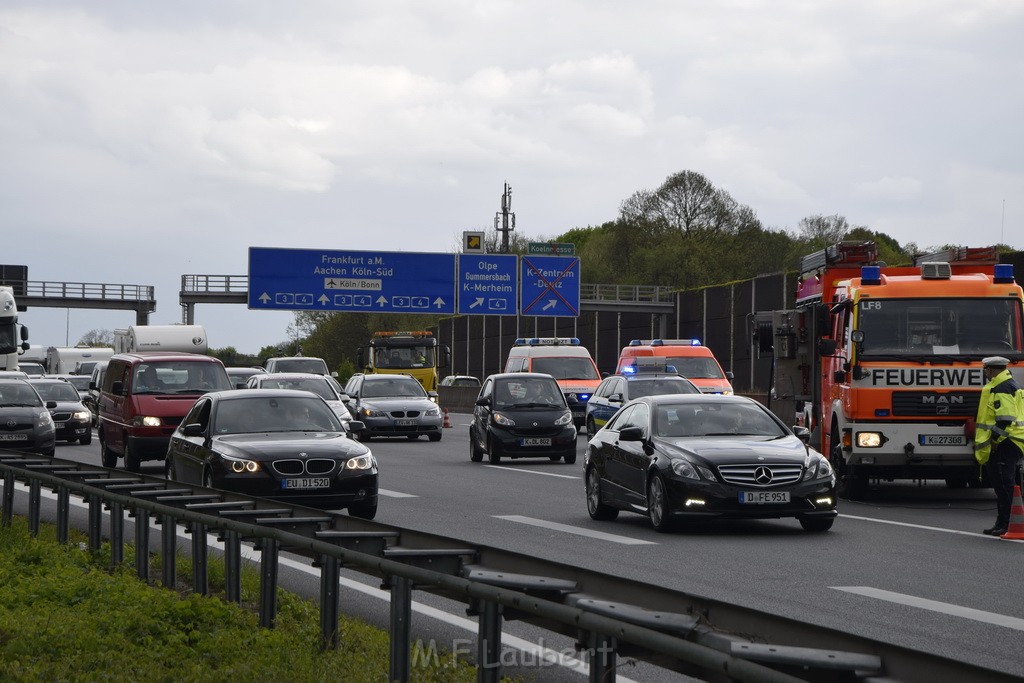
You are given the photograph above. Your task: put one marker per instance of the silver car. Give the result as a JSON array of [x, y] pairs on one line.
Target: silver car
[[393, 405]]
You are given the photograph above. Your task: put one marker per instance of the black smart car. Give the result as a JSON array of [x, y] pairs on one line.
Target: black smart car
[[522, 415]]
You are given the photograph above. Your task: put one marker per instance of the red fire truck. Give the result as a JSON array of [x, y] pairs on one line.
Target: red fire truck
[[883, 364]]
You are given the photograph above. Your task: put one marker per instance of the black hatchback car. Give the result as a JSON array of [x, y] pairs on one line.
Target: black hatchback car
[[275, 443], [25, 422], [522, 415], [691, 457], [72, 421]]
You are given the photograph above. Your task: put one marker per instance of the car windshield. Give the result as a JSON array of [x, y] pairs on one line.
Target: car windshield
[[566, 367], [318, 386], [714, 419], [664, 385], [403, 358], [392, 386], [179, 377], [527, 393], [275, 414], [315, 365], [31, 368], [80, 382], [57, 391], [696, 367], [14, 395]]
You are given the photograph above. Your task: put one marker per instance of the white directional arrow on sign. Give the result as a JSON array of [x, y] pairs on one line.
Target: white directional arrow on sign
[[381, 300], [550, 304], [439, 302], [264, 297], [479, 301], [324, 300]]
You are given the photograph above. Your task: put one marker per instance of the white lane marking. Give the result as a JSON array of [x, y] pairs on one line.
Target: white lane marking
[[625, 540], [395, 494], [535, 652], [546, 474], [928, 528], [935, 606]]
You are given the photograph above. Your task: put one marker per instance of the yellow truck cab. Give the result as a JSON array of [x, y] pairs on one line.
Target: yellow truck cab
[[414, 353], [565, 359], [691, 360]]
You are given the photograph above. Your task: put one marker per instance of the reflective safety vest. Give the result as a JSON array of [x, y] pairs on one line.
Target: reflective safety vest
[[1000, 416]]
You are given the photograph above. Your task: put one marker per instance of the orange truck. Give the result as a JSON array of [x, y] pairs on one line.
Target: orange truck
[[883, 363]]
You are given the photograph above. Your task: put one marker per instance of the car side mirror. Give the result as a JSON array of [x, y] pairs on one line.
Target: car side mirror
[[729, 376], [827, 347], [615, 398], [51, 405], [117, 388], [633, 433], [240, 385], [483, 401], [92, 386], [356, 426], [192, 429], [572, 399], [802, 433]]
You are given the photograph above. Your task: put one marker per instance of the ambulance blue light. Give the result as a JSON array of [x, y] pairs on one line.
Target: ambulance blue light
[[1003, 273]]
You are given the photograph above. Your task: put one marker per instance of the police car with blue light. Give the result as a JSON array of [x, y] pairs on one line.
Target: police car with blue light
[[642, 377]]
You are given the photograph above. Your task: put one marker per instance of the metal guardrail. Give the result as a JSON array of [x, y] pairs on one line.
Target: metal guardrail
[[89, 290], [682, 632], [215, 284]]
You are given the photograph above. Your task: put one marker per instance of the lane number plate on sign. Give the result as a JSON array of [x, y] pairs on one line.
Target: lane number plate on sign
[[763, 497], [308, 483], [941, 439]]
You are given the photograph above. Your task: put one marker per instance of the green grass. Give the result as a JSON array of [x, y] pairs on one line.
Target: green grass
[[64, 616]]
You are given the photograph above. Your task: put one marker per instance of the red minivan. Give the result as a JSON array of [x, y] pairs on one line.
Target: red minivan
[[143, 398]]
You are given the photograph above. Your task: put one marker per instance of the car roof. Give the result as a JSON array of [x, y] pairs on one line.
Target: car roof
[[142, 356], [237, 394], [14, 380], [292, 375], [520, 375], [695, 398]]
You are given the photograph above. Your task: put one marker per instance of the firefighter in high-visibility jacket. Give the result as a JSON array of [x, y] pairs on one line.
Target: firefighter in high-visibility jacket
[[999, 435]]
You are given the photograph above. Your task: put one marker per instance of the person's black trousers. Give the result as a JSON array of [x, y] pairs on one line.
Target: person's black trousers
[[1002, 472]]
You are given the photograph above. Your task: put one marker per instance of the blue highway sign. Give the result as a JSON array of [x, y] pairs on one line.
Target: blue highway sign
[[488, 284], [550, 286], [361, 281]]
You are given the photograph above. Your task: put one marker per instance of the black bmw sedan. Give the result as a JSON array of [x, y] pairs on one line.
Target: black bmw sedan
[[275, 443], [689, 457]]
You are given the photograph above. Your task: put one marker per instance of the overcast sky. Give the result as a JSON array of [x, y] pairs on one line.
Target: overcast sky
[[141, 141]]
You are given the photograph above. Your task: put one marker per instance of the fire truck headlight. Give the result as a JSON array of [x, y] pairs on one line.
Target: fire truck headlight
[[870, 439]]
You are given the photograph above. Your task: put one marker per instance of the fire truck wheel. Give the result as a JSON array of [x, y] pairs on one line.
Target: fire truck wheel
[[850, 486]]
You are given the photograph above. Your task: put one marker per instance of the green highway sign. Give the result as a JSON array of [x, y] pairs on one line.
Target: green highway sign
[[552, 248]]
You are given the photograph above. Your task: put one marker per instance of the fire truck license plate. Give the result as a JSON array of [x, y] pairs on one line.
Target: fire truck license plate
[[763, 497], [942, 439]]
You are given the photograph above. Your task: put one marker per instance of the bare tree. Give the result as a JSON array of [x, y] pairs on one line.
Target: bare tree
[[821, 231], [97, 338]]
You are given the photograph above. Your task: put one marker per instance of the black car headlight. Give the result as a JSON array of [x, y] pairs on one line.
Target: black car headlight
[[361, 462], [684, 468], [371, 412], [241, 465], [816, 467], [564, 419], [503, 420]]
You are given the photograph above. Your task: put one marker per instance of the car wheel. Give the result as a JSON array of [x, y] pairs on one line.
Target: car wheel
[[412, 437], [475, 454], [848, 485], [597, 509], [570, 457], [71, 439], [492, 451], [554, 458], [435, 436], [364, 510], [86, 439], [107, 456], [817, 523], [591, 427], [131, 461], [657, 504]]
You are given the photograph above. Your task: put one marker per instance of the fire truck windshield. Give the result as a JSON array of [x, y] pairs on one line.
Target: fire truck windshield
[[939, 327]]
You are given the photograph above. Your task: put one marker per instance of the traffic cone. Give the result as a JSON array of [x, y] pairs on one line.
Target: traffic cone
[[1015, 530], [448, 423]]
